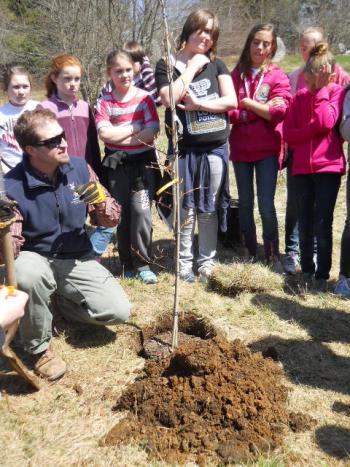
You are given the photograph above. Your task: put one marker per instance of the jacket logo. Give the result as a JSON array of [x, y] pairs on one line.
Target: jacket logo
[[263, 93], [75, 196]]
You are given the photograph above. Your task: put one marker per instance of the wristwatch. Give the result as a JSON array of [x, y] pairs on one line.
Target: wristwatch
[[2, 337]]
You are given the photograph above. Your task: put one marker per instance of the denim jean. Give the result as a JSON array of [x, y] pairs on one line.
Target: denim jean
[[316, 198], [291, 220], [266, 179], [100, 238], [207, 222], [345, 240]]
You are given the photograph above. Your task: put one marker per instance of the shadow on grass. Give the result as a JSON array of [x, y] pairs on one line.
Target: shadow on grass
[[162, 259], [308, 362], [340, 407], [322, 324], [334, 440], [82, 335], [10, 382]]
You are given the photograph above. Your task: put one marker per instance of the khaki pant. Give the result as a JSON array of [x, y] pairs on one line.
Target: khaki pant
[[86, 292]]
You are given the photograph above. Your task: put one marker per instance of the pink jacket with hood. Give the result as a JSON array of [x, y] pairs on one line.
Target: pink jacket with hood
[[297, 80], [254, 138], [311, 129]]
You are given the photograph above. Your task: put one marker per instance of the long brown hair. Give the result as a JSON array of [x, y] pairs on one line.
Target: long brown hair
[[244, 62], [197, 21], [56, 66]]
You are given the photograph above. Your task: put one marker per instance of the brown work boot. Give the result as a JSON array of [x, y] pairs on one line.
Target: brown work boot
[[49, 365]]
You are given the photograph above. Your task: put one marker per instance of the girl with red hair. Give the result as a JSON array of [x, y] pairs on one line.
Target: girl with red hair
[[62, 84]]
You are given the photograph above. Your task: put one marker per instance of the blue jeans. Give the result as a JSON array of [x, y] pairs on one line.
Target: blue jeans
[[100, 238], [207, 222], [316, 197], [291, 220], [266, 179]]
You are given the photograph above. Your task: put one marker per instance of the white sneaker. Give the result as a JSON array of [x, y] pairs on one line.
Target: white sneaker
[[342, 288], [204, 274], [187, 276], [291, 263]]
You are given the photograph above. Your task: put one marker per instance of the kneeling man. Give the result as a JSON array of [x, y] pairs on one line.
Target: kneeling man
[[53, 194]]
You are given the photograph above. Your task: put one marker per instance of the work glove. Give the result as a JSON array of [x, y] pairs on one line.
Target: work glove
[[91, 193], [7, 214]]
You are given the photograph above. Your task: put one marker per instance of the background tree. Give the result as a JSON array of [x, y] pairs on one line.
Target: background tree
[[33, 31]]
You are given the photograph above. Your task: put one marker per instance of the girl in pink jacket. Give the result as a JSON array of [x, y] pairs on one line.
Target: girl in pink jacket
[[310, 37], [311, 129], [263, 93]]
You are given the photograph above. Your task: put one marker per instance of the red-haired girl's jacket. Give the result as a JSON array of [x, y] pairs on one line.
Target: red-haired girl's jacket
[[254, 138], [311, 130]]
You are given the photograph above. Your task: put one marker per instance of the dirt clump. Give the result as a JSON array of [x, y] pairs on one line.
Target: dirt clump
[[210, 398], [299, 422]]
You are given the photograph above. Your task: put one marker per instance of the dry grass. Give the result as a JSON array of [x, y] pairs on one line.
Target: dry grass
[[237, 277], [62, 424]]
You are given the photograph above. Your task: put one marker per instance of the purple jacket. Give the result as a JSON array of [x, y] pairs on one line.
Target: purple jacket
[[79, 125]]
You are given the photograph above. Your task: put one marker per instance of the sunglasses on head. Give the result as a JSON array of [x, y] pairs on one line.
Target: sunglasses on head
[[53, 142]]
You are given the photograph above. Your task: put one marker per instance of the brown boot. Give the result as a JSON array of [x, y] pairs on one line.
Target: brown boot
[[49, 365]]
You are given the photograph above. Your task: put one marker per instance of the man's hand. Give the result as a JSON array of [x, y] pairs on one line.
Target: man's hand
[[7, 215], [91, 193]]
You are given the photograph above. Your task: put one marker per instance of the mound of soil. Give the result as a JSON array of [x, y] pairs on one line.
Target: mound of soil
[[211, 399]]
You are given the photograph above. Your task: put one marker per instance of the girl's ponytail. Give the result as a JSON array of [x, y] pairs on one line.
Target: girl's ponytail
[[320, 55], [320, 49]]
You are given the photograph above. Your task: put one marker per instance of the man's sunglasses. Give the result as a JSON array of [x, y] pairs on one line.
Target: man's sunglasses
[[51, 143]]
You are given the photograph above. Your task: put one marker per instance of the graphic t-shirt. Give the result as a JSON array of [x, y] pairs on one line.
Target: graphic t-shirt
[[201, 130], [10, 151]]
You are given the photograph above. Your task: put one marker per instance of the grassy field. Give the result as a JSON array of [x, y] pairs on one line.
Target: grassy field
[[62, 424]]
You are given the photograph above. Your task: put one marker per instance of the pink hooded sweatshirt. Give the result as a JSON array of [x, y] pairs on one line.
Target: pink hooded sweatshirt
[[253, 138], [311, 129], [297, 80]]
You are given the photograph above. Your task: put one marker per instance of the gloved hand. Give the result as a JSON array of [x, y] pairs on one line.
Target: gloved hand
[[91, 193], [7, 215]]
